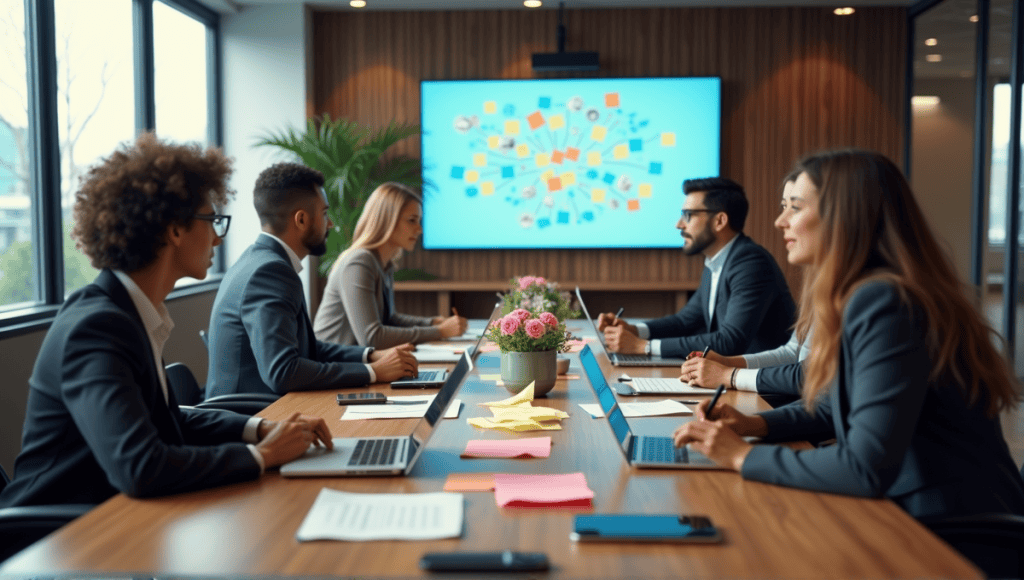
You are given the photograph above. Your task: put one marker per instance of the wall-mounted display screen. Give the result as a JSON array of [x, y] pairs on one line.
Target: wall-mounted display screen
[[567, 163]]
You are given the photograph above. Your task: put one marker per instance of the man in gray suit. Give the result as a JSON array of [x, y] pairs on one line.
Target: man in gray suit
[[261, 337]]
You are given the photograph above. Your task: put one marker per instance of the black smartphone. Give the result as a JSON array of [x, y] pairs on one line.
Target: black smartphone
[[361, 398], [484, 561], [644, 528]]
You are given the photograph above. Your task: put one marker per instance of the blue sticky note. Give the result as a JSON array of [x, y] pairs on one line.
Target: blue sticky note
[[457, 172], [588, 215], [636, 145], [471, 191], [608, 178], [543, 223], [655, 168], [592, 174], [563, 217], [508, 171], [544, 102]]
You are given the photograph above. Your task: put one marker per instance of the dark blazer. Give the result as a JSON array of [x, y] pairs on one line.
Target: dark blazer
[[97, 423], [754, 310], [261, 339], [785, 379], [898, 435]]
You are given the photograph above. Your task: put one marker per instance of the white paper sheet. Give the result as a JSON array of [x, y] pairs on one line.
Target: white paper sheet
[[385, 411], [440, 352], [666, 407], [675, 386], [356, 517]]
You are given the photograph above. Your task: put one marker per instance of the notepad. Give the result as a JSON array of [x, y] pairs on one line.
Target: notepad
[[563, 490], [360, 517], [529, 447]]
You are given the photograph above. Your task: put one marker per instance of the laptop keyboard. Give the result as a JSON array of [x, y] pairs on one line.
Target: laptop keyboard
[[374, 452], [631, 358], [646, 385], [429, 375], [661, 450]]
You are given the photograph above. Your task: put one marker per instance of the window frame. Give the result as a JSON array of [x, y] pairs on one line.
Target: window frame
[[44, 144]]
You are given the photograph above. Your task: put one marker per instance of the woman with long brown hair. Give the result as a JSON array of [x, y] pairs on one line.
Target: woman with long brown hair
[[902, 371]]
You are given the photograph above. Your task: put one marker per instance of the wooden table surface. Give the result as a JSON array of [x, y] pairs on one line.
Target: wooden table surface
[[249, 529]]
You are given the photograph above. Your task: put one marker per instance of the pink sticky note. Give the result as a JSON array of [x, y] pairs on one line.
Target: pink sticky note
[[529, 447], [568, 490]]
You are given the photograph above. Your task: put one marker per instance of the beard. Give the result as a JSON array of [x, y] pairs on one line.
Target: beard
[[317, 246], [697, 244]]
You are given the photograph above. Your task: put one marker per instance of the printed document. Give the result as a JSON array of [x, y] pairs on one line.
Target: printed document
[[360, 517]]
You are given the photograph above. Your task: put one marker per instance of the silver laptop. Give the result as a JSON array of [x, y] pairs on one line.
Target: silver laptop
[[639, 450], [380, 455], [627, 360]]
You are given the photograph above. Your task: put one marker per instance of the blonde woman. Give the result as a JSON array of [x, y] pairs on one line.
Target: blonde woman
[[359, 300]]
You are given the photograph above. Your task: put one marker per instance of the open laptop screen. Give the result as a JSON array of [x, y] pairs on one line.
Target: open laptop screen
[[425, 427], [604, 393]]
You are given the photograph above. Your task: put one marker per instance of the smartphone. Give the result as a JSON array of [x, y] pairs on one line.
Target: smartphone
[[644, 528], [506, 561], [361, 398]]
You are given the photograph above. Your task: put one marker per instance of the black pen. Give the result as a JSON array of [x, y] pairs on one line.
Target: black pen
[[711, 405], [686, 402], [705, 353]]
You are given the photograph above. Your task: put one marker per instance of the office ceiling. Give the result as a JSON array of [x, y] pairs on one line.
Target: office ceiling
[[234, 5]]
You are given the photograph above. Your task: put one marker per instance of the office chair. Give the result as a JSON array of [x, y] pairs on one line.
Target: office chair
[[186, 390], [21, 527]]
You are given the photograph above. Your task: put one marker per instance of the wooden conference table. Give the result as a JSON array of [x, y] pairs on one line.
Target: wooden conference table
[[249, 529]]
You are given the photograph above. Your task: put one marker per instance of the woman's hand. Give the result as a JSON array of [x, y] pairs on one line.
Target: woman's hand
[[703, 372], [714, 439], [454, 325], [743, 425]]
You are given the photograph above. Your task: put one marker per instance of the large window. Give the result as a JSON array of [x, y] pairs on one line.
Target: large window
[[76, 79]]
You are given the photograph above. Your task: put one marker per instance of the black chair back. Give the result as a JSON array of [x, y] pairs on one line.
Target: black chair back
[[183, 384]]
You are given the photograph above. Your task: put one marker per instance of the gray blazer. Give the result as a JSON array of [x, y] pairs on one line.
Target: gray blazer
[[898, 435], [261, 339], [97, 422], [353, 309], [754, 310]]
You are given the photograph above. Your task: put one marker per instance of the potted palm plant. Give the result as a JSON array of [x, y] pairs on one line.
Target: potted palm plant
[[351, 157]]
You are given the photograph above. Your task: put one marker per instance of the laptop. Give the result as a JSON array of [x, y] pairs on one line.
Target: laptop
[[640, 450], [627, 360], [394, 455]]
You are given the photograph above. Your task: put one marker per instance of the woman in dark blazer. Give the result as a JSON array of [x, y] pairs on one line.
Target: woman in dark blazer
[[359, 300], [902, 372]]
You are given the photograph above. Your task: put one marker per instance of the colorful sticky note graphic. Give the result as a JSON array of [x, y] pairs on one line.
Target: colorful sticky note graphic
[[472, 191], [472, 175], [512, 127], [572, 153], [597, 195], [522, 150], [598, 133], [636, 145], [594, 158], [547, 175], [544, 103], [568, 178], [556, 121], [620, 151], [541, 159], [557, 156], [655, 168], [490, 107], [668, 139], [633, 205], [554, 184], [480, 159], [587, 216], [487, 188], [563, 217], [508, 172], [457, 172], [611, 100], [608, 178], [535, 120], [644, 190], [543, 223], [493, 141]]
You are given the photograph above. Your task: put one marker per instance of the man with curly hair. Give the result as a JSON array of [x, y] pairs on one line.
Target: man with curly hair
[[100, 417], [261, 337]]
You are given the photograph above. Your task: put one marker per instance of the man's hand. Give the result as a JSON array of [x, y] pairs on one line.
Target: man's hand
[[393, 363], [280, 442], [607, 319], [454, 325], [715, 440], [621, 339]]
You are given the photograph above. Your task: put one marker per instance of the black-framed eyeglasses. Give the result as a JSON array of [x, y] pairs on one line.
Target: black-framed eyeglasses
[[688, 213], [219, 222]]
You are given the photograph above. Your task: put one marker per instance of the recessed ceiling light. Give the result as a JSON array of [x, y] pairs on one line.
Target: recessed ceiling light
[[973, 18], [843, 11], [933, 57], [357, 3], [931, 42], [532, 3]]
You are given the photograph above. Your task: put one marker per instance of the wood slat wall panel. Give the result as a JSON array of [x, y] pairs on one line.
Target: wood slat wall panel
[[794, 80]]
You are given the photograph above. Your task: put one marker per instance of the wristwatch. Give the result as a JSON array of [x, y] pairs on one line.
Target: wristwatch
[[647, 348]]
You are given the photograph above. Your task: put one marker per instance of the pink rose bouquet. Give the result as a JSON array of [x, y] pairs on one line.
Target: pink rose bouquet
[[514, 333], [535, 294]]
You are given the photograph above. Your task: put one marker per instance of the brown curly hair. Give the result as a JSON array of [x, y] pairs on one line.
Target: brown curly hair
[[127, 200]]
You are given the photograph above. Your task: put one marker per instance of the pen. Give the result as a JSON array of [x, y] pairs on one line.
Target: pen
[[390, 402], [705, 353], [711, 405], [619, 313], [686, 402]]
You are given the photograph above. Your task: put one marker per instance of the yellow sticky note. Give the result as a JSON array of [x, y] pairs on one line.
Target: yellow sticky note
[[547, 175], [594, 158], [487, 188], [516, 426], [644, 190], [598, 133], [511, 127], [620, 151], [496, 377], [597, 195], [522, 150], [542, 159], [523, 396], [568, 178], [490, 107], [668, 139], [480, 159], [493, 141], [556, 121], [471, 176]]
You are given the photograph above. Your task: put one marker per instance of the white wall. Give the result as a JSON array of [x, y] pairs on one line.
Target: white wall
[[264, 62]]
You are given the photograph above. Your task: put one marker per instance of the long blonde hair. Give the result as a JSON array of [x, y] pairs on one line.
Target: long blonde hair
[[380, 216], [872, 228]]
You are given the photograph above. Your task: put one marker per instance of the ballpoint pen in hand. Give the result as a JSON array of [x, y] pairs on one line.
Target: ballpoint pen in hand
[[705, 353], [714, 400], [390, 402], [619, 313]]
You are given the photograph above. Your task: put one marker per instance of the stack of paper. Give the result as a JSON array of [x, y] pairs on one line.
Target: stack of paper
[[517, 414], [399, 411], [338, 515], [568, 490]]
